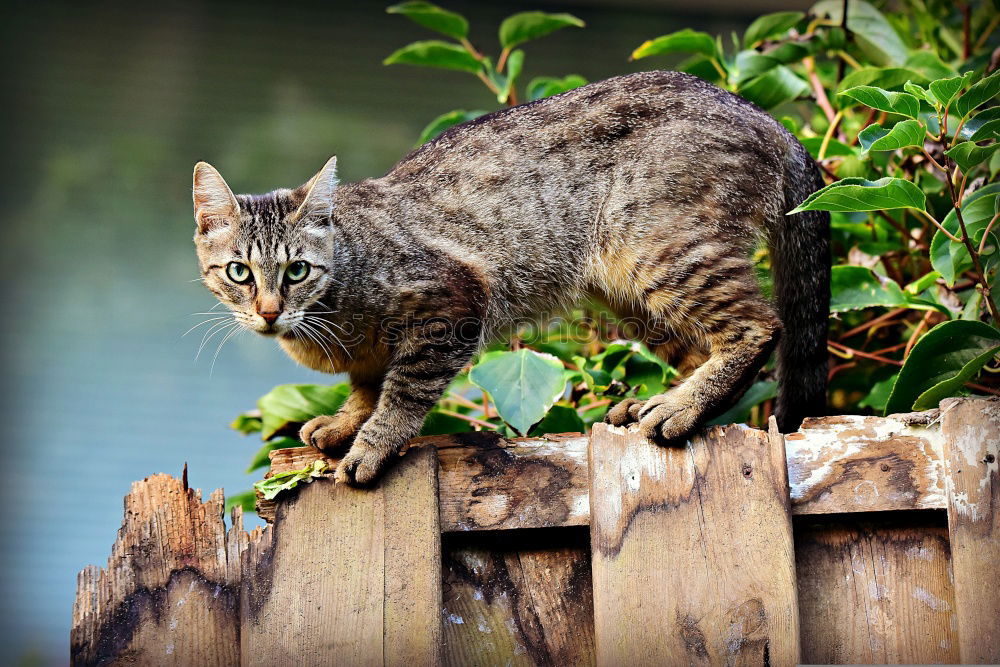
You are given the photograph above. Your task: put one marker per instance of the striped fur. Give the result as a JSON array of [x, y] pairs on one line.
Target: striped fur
[[648, 191]]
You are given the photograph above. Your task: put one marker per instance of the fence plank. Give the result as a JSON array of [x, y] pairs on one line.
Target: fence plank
[[518, 599], [875, 590], [692, 550], [342, 576], [170, 593], [971, 429]]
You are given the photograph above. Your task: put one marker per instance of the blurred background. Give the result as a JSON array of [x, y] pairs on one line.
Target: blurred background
[[108, 106]]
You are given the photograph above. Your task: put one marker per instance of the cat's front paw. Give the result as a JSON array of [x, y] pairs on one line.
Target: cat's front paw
[[625, 412], [328, 434], [362, 465], [668, 419]]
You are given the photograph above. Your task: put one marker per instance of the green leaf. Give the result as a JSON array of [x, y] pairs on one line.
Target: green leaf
[[978, 94], [515, 63], [941, 362], [247, 500], [262, 459], [750, 64], [884, 100], [523, 384], [247, 423], [873, 34], [433, 17], [546, 86], [775, 87], [560, 419], [857, 287], [770, 25], [879, 394], [877, 138], [284, 481], [445, 121], [984, 126], [881, 77], [859, 194], [967, 155], [834, 148], [682, 41], [525, 26], [929, 64], [290, 404], [755, 395], [919, 92], [949, 258], [945, 90], [435, 53], [439, 423]]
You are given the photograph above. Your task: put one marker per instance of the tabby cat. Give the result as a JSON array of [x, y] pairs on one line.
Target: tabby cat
[[647, 191]]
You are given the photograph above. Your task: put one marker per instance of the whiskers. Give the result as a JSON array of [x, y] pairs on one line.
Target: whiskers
[[219, 324]]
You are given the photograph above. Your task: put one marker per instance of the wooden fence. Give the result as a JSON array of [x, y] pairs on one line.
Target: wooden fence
[[854, 540]]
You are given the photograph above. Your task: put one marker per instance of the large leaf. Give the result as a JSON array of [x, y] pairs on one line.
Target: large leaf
[[290, 404], [946, 90], [445, 121], [435, 53], [941, 362], [984, 126], [775, 87], [877, 138], [884, 100], [872, 32], [682, 41], [523, 384], [546, 86], [750, 64], [431, 16], [978, 94], [967, 155], [949, 258], [929, 64], [857, 287], [525, 26], [859, 194], [834, 148], [770, 25], [560, 419]]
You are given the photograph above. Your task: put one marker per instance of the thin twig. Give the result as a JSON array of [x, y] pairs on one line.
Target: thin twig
[[986, 234], [871, 323], [848, 352], [471, 420], [593, 406], [821, 99], [916, 333]]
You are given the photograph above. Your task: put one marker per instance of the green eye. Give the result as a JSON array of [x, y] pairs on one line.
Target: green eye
[[297, 272], [239, 273]]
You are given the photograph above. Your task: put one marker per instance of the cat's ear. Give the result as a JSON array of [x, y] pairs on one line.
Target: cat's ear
[[318, 203], [215, 205]]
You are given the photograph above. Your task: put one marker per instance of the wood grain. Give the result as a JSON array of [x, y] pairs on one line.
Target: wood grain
[[170, 592], [971, 429], [692, 550], [344, 575], [875, 590], [864, 464], [518, 598], [835, 465]]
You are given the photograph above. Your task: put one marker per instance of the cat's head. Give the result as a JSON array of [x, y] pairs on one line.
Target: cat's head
[[266, 257]]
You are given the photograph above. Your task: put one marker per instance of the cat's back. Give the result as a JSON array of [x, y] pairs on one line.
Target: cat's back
[[629, 113]]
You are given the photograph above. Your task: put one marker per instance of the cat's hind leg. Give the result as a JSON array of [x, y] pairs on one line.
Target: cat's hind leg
[[722, 306]]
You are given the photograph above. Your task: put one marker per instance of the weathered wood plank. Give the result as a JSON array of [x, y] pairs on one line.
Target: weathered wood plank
[[339, 566], [170, 593], [518, 598], [692, 550], [875, 590], [835, 465], [864, 464], [971, 429]]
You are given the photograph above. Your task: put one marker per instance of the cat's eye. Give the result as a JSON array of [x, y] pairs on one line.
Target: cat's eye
[[239, 272], [296, 272]]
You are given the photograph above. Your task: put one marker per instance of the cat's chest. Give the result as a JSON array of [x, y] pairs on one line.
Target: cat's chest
[[326, 357]]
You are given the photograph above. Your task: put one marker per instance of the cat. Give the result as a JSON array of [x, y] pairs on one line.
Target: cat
[[647, 191]]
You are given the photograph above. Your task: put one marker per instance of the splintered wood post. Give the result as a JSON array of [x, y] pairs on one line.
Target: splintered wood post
[[349, 576], [170, 593], [692, 549], [971, 430]]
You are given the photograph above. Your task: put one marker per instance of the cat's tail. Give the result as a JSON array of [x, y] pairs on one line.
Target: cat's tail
[[800, 265]]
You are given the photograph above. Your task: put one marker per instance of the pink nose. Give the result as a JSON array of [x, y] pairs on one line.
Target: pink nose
[[269, 317]]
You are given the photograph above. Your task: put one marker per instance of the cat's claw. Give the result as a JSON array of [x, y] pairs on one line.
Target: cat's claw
[[361, 466], [625, 412], [328, 434], [668, 421]]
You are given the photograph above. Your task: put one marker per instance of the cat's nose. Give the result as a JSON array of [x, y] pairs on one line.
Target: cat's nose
[[269, 317]]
